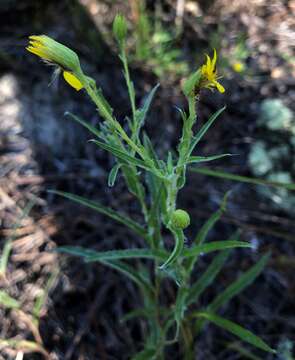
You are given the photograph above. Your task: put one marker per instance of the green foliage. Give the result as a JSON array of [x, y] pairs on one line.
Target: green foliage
[[155, 184], [239, 285], [237, 330], [207, 277], [244, 179], [155, 45], [104, 210]]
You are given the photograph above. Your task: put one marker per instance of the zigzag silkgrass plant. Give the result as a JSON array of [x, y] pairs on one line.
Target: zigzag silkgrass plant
[[155, 183]]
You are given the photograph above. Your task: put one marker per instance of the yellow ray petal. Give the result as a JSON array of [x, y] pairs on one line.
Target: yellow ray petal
[[35, 37], [38, 51], [204, 69], [72, 80], [214, 60], [219, 87], [208, 64]]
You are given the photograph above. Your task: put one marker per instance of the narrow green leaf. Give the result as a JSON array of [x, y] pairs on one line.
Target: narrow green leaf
[[214, 246], [117, 152], [142, 113], [123, 219], [205, 128], [113, 174], [146, 354], [110, 259], [7, 301], [77, 251], [207, 278], [142, 312], [130, 272], [92, 255], [178, 247], [150, 149], [180, 305], [237, 330], [245, 179], [87, 125], [202, 234], [127, 254], [239, 285], [245, 353], [198, 159]]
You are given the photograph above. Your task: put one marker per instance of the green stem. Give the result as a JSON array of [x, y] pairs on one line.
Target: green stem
[[129, 83], [109, 118], [107, 115]]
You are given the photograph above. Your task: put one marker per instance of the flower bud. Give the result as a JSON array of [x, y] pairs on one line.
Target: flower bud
[[180, 219], [120, 28], [191, 83], [54, 52]]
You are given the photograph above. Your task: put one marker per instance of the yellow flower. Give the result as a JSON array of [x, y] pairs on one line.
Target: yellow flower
[[57, 54], [238, 67], [209, 74]]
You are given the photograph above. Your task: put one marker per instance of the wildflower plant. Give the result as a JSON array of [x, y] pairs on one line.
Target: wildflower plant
[[155, 183]]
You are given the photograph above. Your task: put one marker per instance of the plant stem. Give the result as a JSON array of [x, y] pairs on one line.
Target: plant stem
[[129, 83]]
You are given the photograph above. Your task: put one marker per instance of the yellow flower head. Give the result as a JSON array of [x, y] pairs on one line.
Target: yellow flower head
[[209, 74], [57, 54], [238, 67]]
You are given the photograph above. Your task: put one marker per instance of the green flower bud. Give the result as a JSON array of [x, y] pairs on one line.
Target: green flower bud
[[191, 83], [54, 52], [120, 28], [180, 219]]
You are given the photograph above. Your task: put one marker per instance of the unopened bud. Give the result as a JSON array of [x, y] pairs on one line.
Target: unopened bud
[[120, 28], [180, 219], [54, 52], [191, 83]]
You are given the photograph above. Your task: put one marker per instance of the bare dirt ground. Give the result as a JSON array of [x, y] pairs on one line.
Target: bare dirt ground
[[40, 149]]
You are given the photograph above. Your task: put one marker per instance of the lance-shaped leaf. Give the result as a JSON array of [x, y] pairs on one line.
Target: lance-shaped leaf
[[237, 330], [214, 246], [112, 259], [123, 219], [203, 232], [204, 129], [240, 178], [122, 155], [84, 123], [207, 278], [132, 273], [199, 159], [235, 288], [92, 255], [113, 174], [142, 113], [239, 285]]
